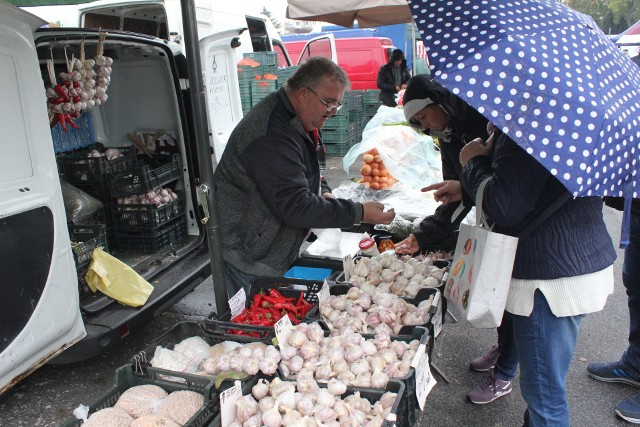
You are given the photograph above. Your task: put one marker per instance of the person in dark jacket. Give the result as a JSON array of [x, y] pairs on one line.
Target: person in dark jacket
[[268, 183], [627, 369], [436, 111], [562, 270], [393, 77]]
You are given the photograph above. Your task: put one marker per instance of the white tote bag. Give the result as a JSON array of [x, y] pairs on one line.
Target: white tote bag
[[478, 283]]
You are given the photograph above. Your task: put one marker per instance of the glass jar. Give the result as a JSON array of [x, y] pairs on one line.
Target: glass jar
[[385, 243], [368, 247]]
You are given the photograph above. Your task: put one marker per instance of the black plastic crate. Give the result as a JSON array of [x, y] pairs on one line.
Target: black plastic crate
[[149, 215], [143, 179], [84, 239], [133, 239], [126, 377], [78, 168], [398, 409], [288, 287], [183, 330]]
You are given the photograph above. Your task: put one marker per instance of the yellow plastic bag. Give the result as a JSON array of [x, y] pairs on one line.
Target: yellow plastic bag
[[117, 280]]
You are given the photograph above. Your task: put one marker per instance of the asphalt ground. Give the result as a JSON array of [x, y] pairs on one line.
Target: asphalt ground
[[48, 396]]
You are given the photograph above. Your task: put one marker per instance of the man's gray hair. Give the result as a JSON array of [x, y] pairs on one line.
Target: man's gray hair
[[311, 73]]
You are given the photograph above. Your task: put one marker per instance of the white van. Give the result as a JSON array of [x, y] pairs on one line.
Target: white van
[[46, 309]]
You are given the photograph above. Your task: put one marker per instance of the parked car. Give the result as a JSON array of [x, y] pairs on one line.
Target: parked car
[[48, 311], [361, 57]]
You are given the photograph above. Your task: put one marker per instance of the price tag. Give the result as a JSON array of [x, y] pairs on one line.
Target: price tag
[[237, 303], [347, 266], [324, 293], [228, 400], [436, 320], [283, 329], [424, 379]]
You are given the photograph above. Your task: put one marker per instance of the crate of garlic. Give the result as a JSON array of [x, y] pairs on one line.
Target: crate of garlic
[[375, 312], [274, 403], [315, 355], [144, 399], [188, 348], [404, 276]]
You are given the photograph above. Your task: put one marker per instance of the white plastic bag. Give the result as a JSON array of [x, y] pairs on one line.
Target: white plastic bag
[[410, 156]]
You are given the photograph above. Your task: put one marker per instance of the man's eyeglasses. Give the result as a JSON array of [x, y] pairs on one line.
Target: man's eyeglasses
[[337, 106]]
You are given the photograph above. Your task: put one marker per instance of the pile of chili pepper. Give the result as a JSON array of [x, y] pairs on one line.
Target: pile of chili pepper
[[270, 306]]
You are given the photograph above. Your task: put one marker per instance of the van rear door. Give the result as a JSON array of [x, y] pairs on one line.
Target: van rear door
[[324, 46], [222, 91], [39, 309]]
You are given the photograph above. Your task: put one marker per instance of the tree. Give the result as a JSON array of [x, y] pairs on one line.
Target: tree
[[626, 12], [273, 19], [612, 16]]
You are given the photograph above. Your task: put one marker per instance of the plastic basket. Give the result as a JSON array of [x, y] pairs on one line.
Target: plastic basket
[[143, 179], [398, 409], [247, 73], [73, 138], [371, 96], [339, 149], [147, 240], [79, 168], [84, 239], [127, 378], [336, 122], [288, 287], [147, 215], [183, 330], [264, 58]]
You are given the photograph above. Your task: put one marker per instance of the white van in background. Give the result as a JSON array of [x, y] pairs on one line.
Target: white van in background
[[163, 19]]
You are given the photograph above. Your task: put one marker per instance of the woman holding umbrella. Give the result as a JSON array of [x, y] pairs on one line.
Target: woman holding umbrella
[[562, 270]]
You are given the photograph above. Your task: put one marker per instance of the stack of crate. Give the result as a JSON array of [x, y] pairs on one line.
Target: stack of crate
[[339, 133], [246, 76], [265, 82], [354, 102], [284, 73], [370, 104]]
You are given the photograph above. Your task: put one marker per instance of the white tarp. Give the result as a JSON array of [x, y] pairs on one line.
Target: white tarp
[[368, 13]]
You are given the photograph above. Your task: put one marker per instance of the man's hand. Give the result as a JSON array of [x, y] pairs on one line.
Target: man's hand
[[328, 195], [408, 245], [373, 213], [475, 148], [446, 192]]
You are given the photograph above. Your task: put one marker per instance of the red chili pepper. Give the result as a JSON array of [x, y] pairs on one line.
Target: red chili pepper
[[61, 120], [275, 293], [286, 306], [61, 92], [257, 298], [67, 118]]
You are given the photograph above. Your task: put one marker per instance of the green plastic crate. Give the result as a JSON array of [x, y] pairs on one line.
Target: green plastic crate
[[126, 378], [370, 96], [337, 122]]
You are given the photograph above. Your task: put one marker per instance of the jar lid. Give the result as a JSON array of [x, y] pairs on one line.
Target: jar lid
[[366, 243]]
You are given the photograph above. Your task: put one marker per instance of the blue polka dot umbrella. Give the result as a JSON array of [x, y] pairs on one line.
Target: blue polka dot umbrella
[[549, 78]]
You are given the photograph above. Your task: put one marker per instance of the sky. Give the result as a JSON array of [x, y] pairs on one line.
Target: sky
[[278, 8]]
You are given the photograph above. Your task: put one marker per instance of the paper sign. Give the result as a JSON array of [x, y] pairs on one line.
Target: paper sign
[[283, 329], [424, 379], [436, 320], [228, 400], [347, 266], [324, 293], [237, 303]]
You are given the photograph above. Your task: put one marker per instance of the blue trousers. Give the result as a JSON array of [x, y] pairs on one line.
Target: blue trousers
[[631, 281], [507, 363], [545, 345]]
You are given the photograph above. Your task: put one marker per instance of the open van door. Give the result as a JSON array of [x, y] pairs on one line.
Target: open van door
[[222, 91], [324, 46], [39, 309]]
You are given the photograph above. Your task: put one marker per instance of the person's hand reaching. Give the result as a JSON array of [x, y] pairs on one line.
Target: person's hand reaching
[[446, 192], [373, 213], [408, 245]]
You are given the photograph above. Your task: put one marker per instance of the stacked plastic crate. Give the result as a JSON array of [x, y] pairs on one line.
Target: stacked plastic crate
[[284, 73], [370, 104], [247, 74], [266, 82], [339, 133], [354, 100]]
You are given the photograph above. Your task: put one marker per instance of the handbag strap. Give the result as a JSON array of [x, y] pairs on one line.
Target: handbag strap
[[545, 214], [537, 221]]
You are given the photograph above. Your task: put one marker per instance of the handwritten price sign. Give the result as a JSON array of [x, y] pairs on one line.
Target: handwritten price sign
[[237, 303], [437, 316], [424, 379], [228, 400], [283, 329], [324, 293]]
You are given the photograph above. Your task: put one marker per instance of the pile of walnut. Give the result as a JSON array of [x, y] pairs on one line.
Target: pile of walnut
[[402, 276]]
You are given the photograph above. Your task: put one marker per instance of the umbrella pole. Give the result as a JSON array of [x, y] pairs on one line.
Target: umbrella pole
[[206, 157]]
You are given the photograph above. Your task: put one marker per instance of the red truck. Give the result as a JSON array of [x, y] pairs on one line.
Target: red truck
[[360, 57]]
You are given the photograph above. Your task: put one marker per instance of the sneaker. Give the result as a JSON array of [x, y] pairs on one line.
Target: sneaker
[[489, 390], [629, 409], [486, 361], [614, 372]]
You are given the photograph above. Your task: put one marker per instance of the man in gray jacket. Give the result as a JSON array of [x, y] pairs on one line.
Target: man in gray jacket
[[268, 182]]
